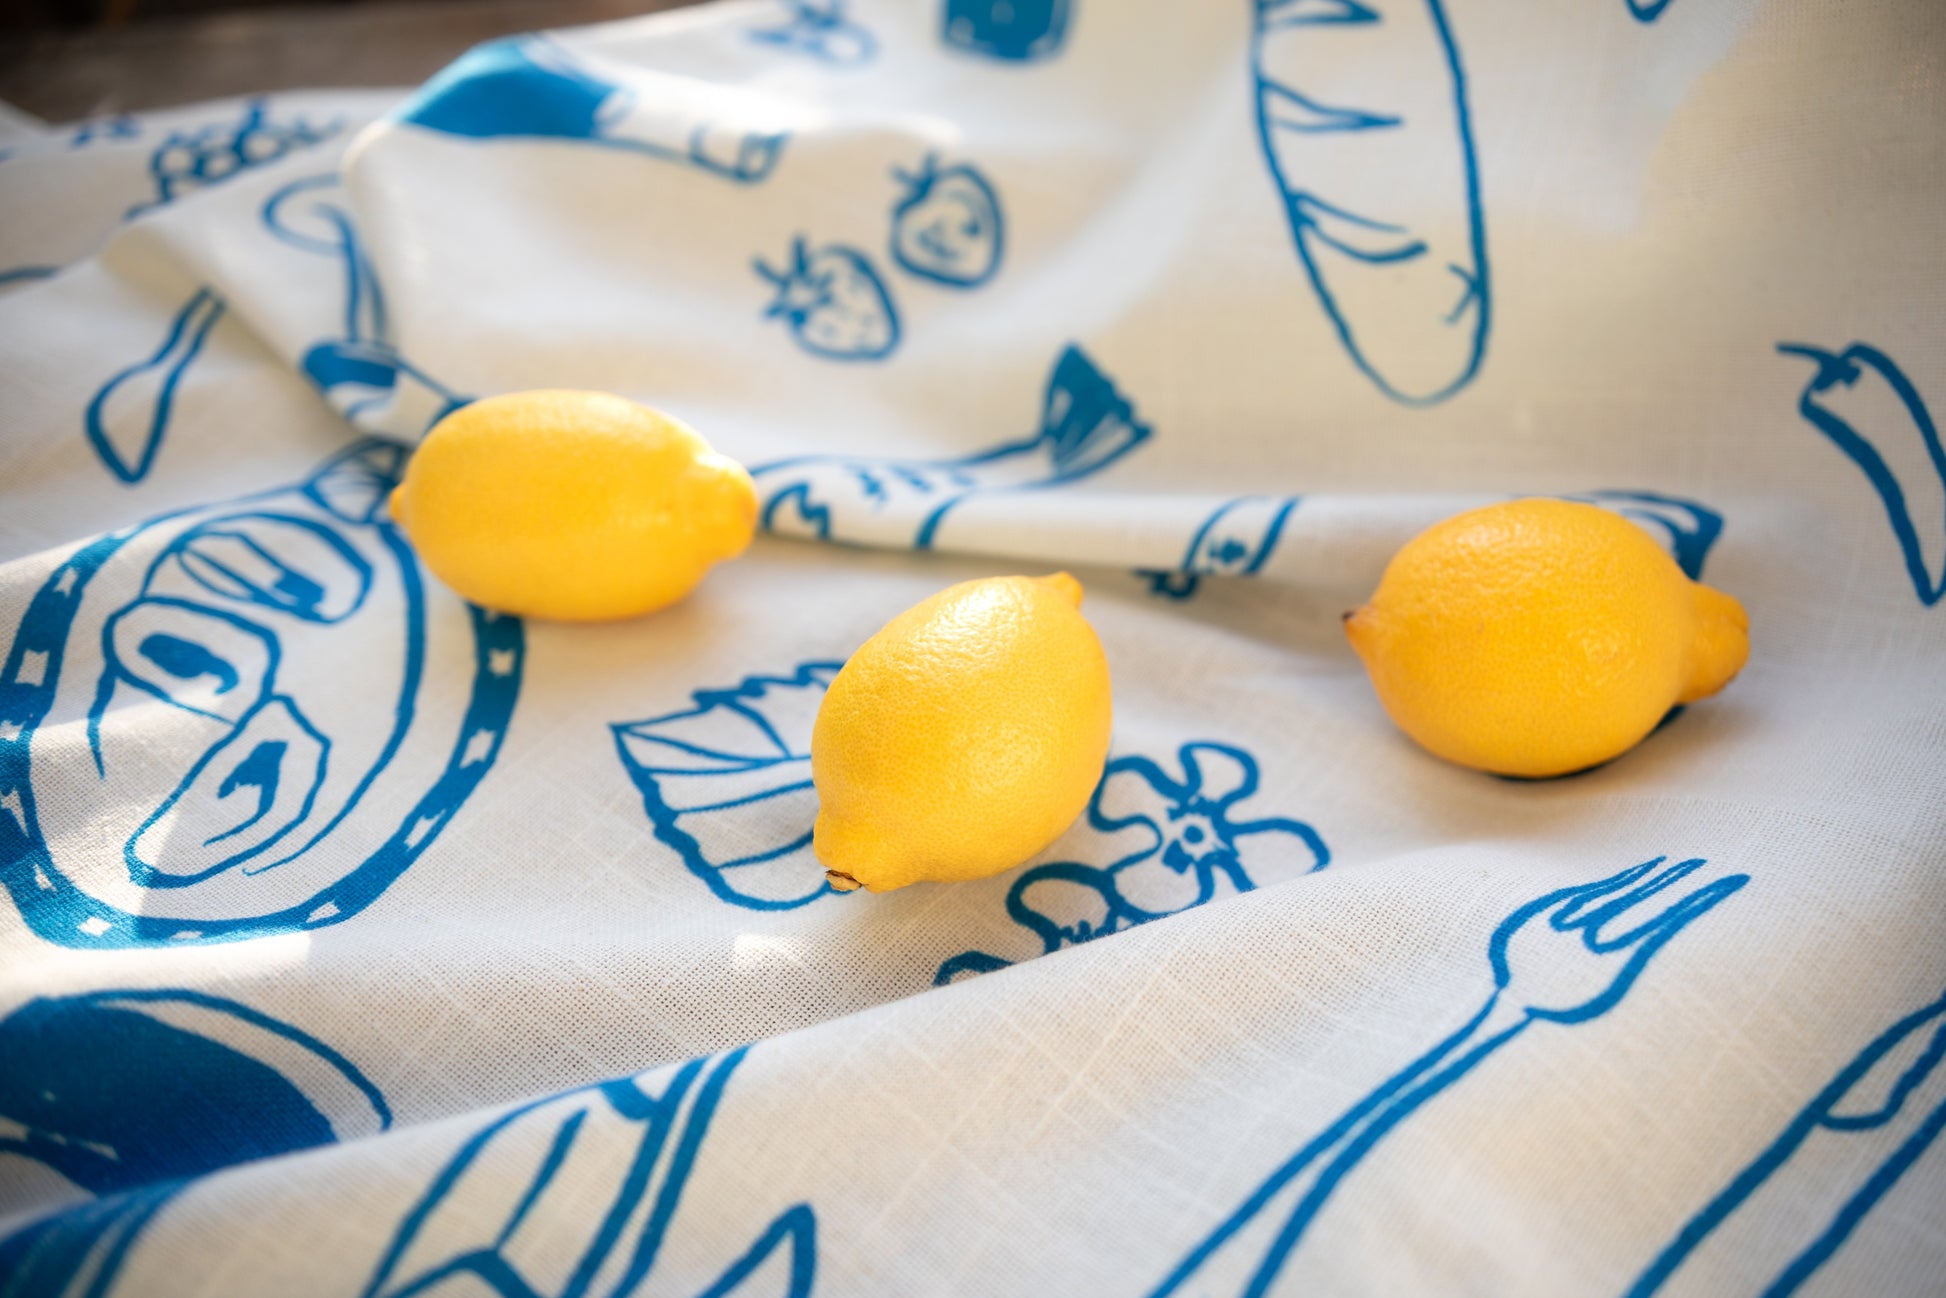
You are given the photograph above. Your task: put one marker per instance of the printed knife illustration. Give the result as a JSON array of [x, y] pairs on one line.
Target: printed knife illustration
[[1849, 399], [1407, 291]]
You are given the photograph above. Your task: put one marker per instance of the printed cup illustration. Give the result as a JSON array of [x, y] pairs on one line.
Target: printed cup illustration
[[1012, 30], [833, 302], [947, 227], [1863, 402], [1378, 182], [243, 719], [1086, 425], [727, 784], [529, 87]]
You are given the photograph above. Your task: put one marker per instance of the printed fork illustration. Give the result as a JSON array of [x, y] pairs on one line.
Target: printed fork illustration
[[1566, 957]]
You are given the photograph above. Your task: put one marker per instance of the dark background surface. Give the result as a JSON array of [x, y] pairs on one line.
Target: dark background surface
[[69, 59]]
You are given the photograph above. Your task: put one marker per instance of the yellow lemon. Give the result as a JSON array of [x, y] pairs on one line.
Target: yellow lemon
[[580, 506], [1541, 637], [962, 738]]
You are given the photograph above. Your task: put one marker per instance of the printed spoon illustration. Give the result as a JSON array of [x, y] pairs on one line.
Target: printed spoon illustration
[[1846, 401], [1407, 290], [129, 415]]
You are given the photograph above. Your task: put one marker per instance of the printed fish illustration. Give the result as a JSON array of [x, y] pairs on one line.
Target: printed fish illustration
[[821, 30], [577, 1194], [833, 302], [1850, 399], [1407, 290], [947, 227], [129, 416], [1013, 30], [727, 784], [1235, 541], [1086, 425], [129, 1094], [527, 87]]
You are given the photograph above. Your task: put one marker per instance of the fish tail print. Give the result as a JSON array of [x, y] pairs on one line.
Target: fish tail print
[[129, 416], [1863, 402], [1406, 290], [1086, 423]]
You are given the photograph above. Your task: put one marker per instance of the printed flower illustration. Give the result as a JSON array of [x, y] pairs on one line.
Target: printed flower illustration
[[1178, 843]]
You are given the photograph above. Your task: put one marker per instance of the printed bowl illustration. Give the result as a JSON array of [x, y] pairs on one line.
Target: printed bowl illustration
[[727, 784], [1379, 183], [217, 724], [947, 226], [833, 303]]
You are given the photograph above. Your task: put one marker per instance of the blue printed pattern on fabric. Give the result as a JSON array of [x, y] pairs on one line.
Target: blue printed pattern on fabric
[[727, 784], [528, 87], [129, 415], [361, 372], [1411, 305], [947, 226], [606, 1165], [1563, 958], [821, 29], [1234, 541], [1181, 842], [833, 302], [1863, 402], [1086, 425], [189, 160], [238, 620], [129, 1095], [1012, 30], [1892, 1094]]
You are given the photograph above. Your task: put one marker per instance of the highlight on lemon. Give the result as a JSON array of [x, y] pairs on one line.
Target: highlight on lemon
[[963, 738], [577, 506], [1541, 637]]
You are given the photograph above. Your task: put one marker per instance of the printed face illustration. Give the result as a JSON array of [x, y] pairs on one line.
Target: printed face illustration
[[948, 227], [240, 710]]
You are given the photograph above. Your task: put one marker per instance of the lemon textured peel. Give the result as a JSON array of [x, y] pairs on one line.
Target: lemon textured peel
[[963, 738], [1541, 637], [577, 506]]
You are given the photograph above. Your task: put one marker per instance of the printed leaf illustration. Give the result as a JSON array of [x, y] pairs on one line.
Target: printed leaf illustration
[[1866, 405], [1404, 280]]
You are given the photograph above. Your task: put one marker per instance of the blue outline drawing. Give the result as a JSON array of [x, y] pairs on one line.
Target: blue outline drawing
[[947, 226], [1564, 958], [1412, 309], [115, 126], [820, 29], [530, 88], [134, 406], [131, 1094], [1875, 1089], [1647, 11], [563, 1147], [1014, 31], [1190, 851], [1234, 541], [27, 274], [1086, 425], [833, 302], [727, 784], [361, 372], [1926, 502], [225, 615], [188, 160]]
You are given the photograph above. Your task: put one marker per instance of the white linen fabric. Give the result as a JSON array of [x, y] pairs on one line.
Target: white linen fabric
[[362, 942]]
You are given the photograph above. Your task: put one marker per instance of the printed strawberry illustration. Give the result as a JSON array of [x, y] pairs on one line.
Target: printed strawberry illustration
[[834, 303], [947, 228]]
